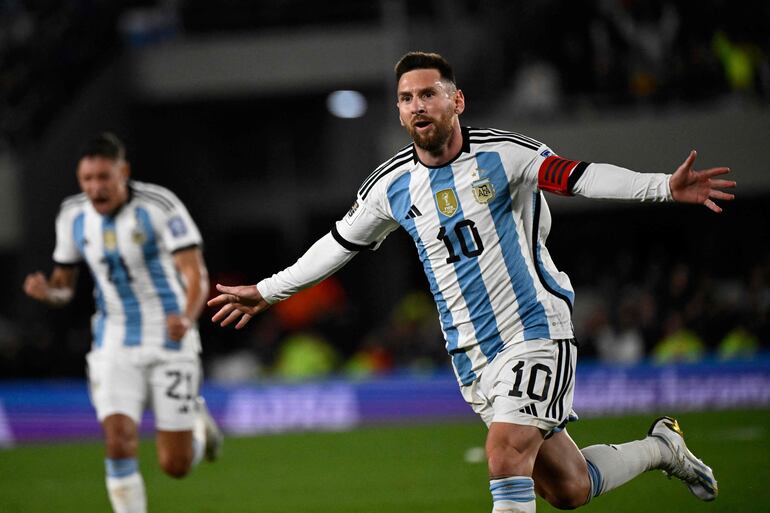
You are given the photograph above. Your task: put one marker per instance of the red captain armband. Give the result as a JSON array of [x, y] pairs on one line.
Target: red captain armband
[[558, 175]]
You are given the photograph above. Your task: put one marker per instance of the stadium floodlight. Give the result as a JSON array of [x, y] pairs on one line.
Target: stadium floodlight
[[346, 104]]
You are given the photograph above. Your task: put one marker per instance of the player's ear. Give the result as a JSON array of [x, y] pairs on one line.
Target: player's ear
[[459, 102], [125, 170], [399, 115]]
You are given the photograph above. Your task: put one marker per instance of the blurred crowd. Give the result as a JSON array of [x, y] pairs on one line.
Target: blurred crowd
[[48, 50], [678, 314], [638, 52], [553, 56]]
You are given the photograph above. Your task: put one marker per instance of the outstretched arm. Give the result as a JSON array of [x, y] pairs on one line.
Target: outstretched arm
[[700, 187], [323, 258], [607, 181], [54, 291]]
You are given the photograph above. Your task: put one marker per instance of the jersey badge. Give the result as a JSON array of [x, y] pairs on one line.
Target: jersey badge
[[110, 240], [446, 202], [139, 237], [177, 226], [546, 153], [483, 191]]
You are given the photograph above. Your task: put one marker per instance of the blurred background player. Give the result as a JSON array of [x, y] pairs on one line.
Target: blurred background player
[[471, 199], [144, 252]]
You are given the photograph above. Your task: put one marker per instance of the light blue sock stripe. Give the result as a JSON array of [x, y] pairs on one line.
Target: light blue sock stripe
[[516, 489], [121, 467], [517, 484], [513, 497], [596, 479]]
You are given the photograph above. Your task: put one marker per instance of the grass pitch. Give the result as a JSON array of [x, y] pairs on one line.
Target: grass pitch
[[405, 469]]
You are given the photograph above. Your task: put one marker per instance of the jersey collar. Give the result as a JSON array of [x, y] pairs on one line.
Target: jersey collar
[[129, 198]]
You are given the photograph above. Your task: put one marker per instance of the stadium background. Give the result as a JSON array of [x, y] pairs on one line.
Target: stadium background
[[228, 105]]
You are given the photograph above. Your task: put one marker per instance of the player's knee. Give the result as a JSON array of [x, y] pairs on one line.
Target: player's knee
[[500, 465], [120, 444], [175, 466], [506, 457], [507, 460]]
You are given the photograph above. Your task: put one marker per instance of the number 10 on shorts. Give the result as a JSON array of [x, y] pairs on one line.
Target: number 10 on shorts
[[533, 391]]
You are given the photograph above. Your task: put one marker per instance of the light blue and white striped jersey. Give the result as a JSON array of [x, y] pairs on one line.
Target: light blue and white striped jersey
[[130, 256], [480, 224]]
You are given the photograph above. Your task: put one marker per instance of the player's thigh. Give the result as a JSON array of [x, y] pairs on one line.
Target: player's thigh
[[560, 473], [116, 386], [174, 386]]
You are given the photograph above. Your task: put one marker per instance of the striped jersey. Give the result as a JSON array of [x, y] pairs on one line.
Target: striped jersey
[[479, 224], [130, 256]]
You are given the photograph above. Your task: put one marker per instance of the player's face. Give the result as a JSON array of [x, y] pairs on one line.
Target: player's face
[[104, 182], [427, 107]]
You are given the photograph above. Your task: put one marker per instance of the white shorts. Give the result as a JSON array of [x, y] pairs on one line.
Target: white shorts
[[528, 383], [130, 381]]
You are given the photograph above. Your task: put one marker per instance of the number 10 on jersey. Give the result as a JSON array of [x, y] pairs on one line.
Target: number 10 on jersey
[[463, 232]]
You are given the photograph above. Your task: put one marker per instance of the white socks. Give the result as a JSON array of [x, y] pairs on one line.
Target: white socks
[[125, 486], [199, 447], [613, 465], [514, 494]]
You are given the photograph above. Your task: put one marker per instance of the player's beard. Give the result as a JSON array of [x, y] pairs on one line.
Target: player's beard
[[434, 140]]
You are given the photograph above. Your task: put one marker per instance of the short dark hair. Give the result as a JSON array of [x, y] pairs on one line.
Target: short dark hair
[[105, 145], [424, 60]]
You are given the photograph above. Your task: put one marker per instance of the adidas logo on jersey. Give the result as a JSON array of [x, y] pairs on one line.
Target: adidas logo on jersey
[[413, 212]]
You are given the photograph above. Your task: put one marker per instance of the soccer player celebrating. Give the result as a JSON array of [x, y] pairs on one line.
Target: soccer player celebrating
[[472, 199], [138, 241]]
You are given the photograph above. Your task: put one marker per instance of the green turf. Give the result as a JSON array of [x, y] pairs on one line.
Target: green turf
[[417, 469]]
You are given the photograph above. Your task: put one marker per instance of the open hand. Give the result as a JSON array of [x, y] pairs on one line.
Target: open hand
[[691, 186], [243, 301]]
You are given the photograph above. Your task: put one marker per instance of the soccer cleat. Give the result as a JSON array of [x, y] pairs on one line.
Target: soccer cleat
[[698, 477], [213, 435]]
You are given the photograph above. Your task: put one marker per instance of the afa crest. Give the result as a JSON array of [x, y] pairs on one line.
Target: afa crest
[[139, 237], [483, 190], [446, 202]]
